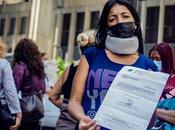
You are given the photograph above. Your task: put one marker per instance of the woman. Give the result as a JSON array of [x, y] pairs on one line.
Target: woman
[[29, 75], [162, 54], [8, 93], [64, 84], [119, 42]]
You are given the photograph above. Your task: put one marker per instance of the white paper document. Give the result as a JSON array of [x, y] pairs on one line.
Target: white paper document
[[131, 99]]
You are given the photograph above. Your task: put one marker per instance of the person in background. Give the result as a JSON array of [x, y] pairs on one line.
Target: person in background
[[64, 84], [28, 72], [119, 43], [50, 69], [8, 93], [45, 58], [162, 55]]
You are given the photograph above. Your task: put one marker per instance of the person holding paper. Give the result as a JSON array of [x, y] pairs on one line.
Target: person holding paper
[[162, 54], [119, 43]]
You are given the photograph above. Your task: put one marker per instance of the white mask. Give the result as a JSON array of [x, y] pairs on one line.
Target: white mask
[[122, 45], [158, 64], [45, 63]]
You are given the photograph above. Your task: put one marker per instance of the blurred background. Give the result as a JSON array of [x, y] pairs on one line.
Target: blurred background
[[54, 24]]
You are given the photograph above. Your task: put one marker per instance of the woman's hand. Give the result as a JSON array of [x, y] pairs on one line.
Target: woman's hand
[[18, 122], [86, 123]]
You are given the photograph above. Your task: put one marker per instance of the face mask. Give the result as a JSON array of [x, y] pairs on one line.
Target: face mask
[[45, 63], [158, 64], [122, 45], [122, 30]]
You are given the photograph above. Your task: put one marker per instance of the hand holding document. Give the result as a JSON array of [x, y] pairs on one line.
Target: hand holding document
[[131, 99]]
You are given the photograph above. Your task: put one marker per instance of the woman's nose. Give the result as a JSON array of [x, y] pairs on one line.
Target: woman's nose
[[119, 20]]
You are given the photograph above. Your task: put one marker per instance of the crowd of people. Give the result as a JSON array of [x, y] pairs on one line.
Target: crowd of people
[[79, 92]]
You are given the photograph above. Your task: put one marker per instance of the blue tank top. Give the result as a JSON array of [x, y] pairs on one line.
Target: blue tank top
[[101, 73]]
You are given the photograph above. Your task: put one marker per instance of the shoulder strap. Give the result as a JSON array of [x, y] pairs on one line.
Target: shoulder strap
[[66, 87]]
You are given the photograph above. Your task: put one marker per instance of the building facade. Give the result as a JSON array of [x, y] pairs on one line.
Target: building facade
[[74, 17], [157, 21], [27, 18], [55, 24], [14, 22], [157, 18]]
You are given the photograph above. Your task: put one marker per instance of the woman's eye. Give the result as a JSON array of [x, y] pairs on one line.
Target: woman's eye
[[126, 16], [110, 20]]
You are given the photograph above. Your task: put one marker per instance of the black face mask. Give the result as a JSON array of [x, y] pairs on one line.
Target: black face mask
[[122, 30]]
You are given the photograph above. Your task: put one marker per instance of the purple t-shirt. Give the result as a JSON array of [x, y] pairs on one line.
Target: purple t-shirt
[[102, 72], [25, 81]]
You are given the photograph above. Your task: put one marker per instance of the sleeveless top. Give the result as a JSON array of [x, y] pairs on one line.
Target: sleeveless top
[[65, 121], [67, 86], [101, 73]]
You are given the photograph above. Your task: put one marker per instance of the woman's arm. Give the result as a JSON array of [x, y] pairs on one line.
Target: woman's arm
[[54, 94], [11, 95], [167, 115], [75, 108]]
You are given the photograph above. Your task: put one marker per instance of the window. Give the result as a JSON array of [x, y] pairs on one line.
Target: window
[[79, 24], [65, 29], [169, 24], [94, 19], [12, 26], [2, 26], [152, 24], [23, 27]]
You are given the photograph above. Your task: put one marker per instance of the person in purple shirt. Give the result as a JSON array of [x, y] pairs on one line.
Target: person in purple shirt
[[28, 72]]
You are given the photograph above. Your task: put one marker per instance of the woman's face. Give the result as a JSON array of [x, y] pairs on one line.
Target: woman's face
[[155, 55], [119, 14]]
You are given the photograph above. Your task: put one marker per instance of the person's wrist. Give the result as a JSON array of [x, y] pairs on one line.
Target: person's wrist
[[18, 120], [84, 117], [19, 116]]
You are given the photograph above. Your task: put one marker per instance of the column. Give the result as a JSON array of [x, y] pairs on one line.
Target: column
[[36, 20], [7, 28], [161, 21], [17, 28], [57, 34], [71, 40], [87, 19], [32, 19], [143, 17]]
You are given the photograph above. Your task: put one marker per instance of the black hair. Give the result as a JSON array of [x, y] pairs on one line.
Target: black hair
[[102, 24]]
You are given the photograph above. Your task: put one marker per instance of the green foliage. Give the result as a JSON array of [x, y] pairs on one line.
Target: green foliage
[[62, 65]]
